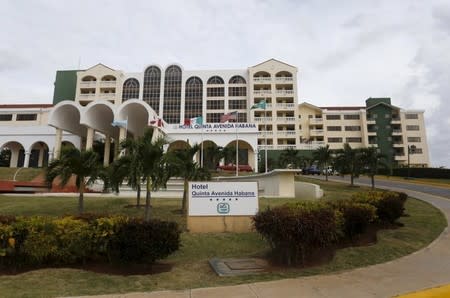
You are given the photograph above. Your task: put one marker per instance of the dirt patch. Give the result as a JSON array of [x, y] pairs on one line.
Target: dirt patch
[[102, 268]]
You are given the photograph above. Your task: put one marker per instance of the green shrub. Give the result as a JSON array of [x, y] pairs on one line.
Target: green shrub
[[138, 241], [356, 217], [295, 230], [436, 173], [389, 204]]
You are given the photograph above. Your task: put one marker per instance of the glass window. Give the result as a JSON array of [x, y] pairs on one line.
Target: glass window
[[237, 91], [414, 139], [353, 140], [334, 128], [5, 117], [215, 80], [240, 104], [193, 98], [130, 89], [26, 117], [215, 92], [334, 140], [152, 87], [353, 128], [213, 117], [351, 117], [215, 105], [412, 116], [333, 117], [237, 80], [172, 94], [412, 127]]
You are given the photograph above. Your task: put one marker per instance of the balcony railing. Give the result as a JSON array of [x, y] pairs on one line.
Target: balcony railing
[[268, 107], [87, 95], [108, 83], [316, 132], [107, 95], [284, 79], [263, 133], [286, 119], [396, 131], [263, 119], [288, 133], [284, 92], [285, 105], [88, 84], [261, 79], [262, 92], [315, 120]]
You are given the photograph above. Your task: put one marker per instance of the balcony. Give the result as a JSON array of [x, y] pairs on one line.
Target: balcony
[[284, 147], [286, 133], [88, 84], [400, 156], [284, 92], [263, 119], [87, 96], [315, 120], [373, 145], [284, 79], [264, 133], [108, 83], [316, 132], [371, 121], [395, 120], [268, 107], [262, 92], [262, 79], [398, 144], [371, 132], [396, 132], [286, 119], [107, 95], [286, 106]]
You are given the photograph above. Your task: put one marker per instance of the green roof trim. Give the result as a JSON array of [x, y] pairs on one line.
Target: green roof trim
[[65, 85]]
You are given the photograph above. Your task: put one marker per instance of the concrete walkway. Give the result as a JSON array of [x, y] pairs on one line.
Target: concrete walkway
[[429, 267]]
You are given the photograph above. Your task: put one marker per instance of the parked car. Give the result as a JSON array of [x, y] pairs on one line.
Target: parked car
[[330, 171], [312, 170], [232, 167]]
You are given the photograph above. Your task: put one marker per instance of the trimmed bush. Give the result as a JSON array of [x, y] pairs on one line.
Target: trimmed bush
[[37, 241], [138, 241], [294, 230], [389, 204], [437, 173], [356, 217]]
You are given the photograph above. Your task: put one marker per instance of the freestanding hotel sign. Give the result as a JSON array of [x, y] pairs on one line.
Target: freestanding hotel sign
[[222, 206], [223, 198]]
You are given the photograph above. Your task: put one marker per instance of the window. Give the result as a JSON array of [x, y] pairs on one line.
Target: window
[[237, 80], [237, 91], [412, 116], [333, 117], [412, 127], [387, 116], [193, 97], [237, 104], [353, 128], [215, 92], [215, 105], [215, 80], [334, 128], [172, 94], [353, 140], [242, 117], [152, 87], [213, 117], [130, 89], [351, 117], [418, 151], [26, 117], [334, 140], [5, 117], [414, 139]]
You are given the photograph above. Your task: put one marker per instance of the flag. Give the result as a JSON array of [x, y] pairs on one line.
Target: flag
[[120, 123], [156, 122], [228, 117], [260, 105], [197, 120]]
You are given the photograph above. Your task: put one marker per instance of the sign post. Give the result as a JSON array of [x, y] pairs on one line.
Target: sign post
[[222, 206]]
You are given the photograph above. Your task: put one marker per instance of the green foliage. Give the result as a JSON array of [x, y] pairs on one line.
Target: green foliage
[[37, 241], [349, 161], [438, 173], [138, 241], [324, 157], [389, 204], [356, 217], [294, 230]]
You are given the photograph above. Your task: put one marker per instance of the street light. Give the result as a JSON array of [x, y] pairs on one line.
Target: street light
[[411, 150]]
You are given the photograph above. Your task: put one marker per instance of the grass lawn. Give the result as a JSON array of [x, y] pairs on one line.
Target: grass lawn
[[190, 267], [23, 174]]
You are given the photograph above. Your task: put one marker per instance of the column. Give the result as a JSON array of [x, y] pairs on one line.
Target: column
[[116, 149], [14, 157], [26, 162], [58, 142], [50, 156], [122, 137], [107, 150], [41, 157], [89, 138]]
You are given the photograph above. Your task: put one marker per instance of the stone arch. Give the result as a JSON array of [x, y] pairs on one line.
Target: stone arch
[[284, 74], [137, 113], [38, 154], [259, 74], [99, 115], [246, 153], [66, 115], [17, 153], [178, 145], [89, 78]]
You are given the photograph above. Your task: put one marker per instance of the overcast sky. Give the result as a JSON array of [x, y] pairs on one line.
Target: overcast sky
[[346, 51]]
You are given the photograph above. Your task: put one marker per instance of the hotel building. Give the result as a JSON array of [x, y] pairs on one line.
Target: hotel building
[[86, 102]]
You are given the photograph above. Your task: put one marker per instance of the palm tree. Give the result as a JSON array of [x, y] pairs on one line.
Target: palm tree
[[348, 161], [323, 155], [288, 157], [84, 165], [189, 170], [372, 160]]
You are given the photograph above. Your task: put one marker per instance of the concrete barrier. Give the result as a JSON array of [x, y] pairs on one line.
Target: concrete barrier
[[307, 191]]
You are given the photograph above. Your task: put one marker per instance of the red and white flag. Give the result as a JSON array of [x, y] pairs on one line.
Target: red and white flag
[[228, 117]]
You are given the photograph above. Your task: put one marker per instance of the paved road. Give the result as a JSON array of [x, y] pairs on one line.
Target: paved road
[[429, 267], [385, 183]]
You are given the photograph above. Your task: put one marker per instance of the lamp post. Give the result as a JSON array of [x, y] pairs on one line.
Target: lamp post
[[411, 150]]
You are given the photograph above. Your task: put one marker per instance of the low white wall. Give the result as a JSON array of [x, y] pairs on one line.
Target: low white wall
[[307, 191]]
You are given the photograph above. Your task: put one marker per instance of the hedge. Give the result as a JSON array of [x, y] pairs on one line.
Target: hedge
[[294, 231], [46, 241], [422, 173]]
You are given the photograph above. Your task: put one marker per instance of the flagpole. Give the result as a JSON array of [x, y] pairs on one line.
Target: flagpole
[[237, 150], [201, 161], [265, 137]]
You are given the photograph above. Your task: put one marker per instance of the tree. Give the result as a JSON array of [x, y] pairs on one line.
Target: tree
[[348, 161], [324, 156], [372, 160], [288, 157], [84, 165], [189, 170]]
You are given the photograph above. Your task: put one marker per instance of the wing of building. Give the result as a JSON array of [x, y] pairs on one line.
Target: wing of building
[[87, 102]]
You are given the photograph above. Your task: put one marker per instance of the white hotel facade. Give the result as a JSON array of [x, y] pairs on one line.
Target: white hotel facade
[[86, 102]]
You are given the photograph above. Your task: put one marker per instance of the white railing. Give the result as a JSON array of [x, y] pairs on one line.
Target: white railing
[[285, 92], [316, 131], [284, 79], [315, 120], [286, 132], [263, 133], [286, 119], [396, 131], [87, 84], [87, 95], [285, 105], [268, 106], [262, 79], [262, 92], [262, 119], [303, 146], [108, 83], [107, 95]]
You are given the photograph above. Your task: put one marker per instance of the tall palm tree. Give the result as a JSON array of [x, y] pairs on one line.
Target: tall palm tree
[[349, 161], [324, 156], [372, 161], [189, 170], [289, 156], [84, 165]]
